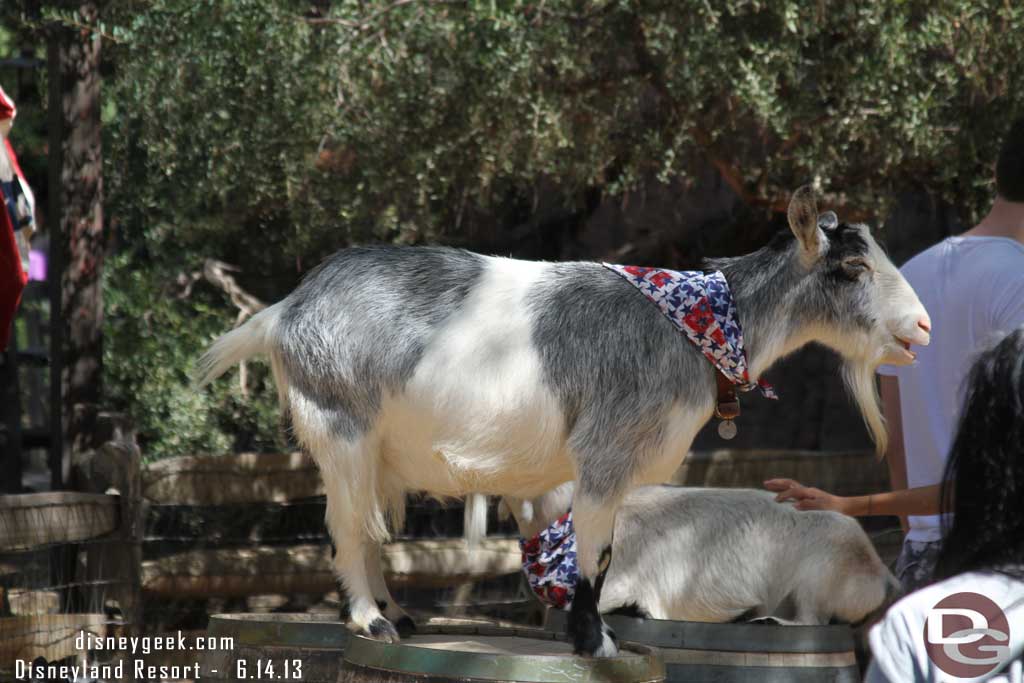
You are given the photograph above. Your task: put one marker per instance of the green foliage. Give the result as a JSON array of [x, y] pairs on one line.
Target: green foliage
[[267, 134], [425, 110], [6, 40], [153, 336]]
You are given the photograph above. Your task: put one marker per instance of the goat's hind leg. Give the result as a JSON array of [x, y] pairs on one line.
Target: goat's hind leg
[[392, 610], [593, 516], [355, 518], [350, 563]]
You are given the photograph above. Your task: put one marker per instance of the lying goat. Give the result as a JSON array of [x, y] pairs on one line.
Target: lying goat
[[714, 555], [439, 370]]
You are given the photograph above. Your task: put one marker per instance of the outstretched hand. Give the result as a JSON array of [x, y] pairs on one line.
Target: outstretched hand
[[804, 497]]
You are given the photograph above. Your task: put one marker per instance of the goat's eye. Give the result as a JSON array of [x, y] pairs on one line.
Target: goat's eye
[[856, 265]]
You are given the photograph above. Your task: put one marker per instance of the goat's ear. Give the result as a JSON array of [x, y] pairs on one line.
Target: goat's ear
[[803, 221], [503, 512]]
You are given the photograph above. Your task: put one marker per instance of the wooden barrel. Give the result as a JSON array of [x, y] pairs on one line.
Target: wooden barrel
[[739, 653], [297, 647], [467, 653]]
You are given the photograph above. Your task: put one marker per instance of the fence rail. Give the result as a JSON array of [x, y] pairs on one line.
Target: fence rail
[[290, 477], [37, 519], [221, 480], [250, 526]]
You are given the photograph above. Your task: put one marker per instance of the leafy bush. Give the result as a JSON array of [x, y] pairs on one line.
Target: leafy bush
[[268, 133], [153, 336]]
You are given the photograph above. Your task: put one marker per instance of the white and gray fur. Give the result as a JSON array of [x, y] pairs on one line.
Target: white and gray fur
[[757, 558], [439, 370]]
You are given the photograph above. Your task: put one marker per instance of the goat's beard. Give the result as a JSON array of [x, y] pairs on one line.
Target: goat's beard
[[860, 381]]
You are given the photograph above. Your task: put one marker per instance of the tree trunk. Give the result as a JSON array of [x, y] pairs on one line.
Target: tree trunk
[[78, 224]]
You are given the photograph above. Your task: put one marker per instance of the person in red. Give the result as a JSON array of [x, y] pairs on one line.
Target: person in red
[[16, 217]]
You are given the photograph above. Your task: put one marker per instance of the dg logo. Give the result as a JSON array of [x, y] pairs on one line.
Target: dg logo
[[967, 635]]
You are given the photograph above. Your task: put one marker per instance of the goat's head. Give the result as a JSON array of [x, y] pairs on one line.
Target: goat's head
[[867, 311], [854, 299]]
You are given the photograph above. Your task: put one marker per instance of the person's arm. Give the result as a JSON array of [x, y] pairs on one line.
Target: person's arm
[[895, 455], [922, 500]]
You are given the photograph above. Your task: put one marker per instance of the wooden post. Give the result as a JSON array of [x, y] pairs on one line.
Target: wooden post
[[116, 466], [76, 243]]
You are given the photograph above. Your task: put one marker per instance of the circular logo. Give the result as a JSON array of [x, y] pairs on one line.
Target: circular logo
[[967, 635]]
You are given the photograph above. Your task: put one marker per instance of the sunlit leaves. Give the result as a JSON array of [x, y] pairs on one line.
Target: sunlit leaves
[[257, 132]]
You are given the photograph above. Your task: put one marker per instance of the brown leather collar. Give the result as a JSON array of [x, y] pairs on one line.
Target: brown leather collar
[[728, 406]]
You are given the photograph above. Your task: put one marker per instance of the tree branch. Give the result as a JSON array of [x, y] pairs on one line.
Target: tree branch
[[368, 21], [654, 74], [219, 275]]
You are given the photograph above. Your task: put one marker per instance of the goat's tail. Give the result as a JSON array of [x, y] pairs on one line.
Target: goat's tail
[[253, 338]]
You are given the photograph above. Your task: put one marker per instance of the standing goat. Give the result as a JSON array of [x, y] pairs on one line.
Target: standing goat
[[440, 370], [757, 558]]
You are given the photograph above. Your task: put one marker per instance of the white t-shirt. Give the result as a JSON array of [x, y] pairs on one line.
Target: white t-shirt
[[973, 290], [897, 642]]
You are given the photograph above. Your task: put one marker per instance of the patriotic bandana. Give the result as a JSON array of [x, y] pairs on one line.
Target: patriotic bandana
[[701, 306], [549, 562]]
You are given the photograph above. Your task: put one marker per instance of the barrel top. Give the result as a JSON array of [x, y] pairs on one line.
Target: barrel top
[[695, 635], [305, 630], [501, 653], [281, 630], [496, 645]]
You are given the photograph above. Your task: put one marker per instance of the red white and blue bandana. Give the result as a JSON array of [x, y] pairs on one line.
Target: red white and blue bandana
[[701, 306], [549, 561]]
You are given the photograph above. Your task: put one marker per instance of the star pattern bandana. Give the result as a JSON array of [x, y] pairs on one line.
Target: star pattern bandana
[[701, 306], [549, 562]]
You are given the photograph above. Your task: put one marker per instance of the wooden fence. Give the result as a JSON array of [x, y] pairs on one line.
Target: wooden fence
[[69, 561], [34, 593], [134, 540], [202, 527], [212, 482]]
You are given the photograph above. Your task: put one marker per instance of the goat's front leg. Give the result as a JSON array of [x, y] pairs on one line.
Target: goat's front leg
[[593, 517], [395, 614]]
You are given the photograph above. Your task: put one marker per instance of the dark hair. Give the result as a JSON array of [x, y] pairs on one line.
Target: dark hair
[[1010, 164], [984, 479]]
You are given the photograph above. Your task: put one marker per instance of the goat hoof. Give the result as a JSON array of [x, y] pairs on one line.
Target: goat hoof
[[406, 626], [383, 630], [596, 641], [608, 645]]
